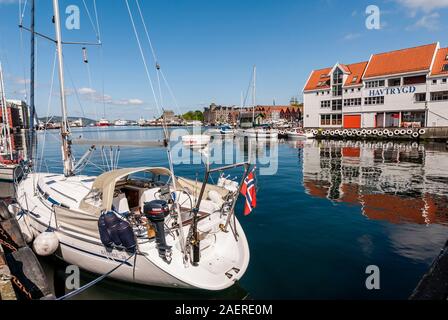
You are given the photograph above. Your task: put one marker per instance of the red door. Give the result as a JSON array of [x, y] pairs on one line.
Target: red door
[[352, 121]]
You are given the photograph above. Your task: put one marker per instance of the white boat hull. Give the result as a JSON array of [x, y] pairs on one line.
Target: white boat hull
[[146, 267]]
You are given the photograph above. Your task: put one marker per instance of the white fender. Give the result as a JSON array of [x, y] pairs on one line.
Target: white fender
[[46, 243]]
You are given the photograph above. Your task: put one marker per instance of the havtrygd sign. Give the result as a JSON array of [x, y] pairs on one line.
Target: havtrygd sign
[[389, 91]]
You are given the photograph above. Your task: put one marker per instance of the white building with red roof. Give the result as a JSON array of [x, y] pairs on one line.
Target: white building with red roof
[[402, 88]]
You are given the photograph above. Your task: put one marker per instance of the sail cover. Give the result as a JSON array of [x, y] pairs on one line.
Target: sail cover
[[104, 187]]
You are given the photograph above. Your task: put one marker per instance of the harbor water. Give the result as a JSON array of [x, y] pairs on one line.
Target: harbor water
[[326, 211]]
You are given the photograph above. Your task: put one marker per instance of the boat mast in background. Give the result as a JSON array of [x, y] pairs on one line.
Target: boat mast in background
[[32, 81], [65, 129], [6, 129], [253, 94]]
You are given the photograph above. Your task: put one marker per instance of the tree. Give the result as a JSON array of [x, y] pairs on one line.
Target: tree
[[193, 115]]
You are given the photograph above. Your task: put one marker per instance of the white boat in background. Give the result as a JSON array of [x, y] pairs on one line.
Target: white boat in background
[[121, 123], [141, 122], [196, 140], [103, 123], [299, 134], [10, 160], [259, 133]]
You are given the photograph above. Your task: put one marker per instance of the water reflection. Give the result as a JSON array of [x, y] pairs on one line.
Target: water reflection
[[390, 181]]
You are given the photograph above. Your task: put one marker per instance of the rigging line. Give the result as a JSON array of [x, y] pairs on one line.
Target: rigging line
[[92, 283], [90, 18], [22, 11], [97, 20], [22, 52], [75, 89], [159, 69], [169, 90], [48, 111], [143, 56]]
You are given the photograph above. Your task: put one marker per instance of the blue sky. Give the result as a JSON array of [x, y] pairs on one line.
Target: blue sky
[[207, 49]]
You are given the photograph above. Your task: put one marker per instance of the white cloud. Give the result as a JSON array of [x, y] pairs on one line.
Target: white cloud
[[18, 80], [352, 36], [429, 22], [8, 2], [424, 5], [93, 95]]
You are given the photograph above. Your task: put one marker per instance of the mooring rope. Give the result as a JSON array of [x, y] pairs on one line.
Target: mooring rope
[[92, 283]]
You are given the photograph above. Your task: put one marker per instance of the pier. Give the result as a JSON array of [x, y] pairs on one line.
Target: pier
[[21, 275]]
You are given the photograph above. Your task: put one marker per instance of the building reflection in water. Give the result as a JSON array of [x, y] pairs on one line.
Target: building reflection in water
[[397, 182]]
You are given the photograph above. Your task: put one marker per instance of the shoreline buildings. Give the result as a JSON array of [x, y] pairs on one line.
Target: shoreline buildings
[[402, 88]]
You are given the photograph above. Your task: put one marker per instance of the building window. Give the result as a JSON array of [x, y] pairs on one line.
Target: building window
[[420, 97], [337, 82], [346, 91], [355, 78], [444, 80], [336, 119], [374, 101], [359, 89], [336, 105], [445, 67], [353, 90], [434, 81], [396, 82], [352, 102], [325, 104], [439, 96], [413, 119], [330, 119], [325, 119], [375, 84], [414, 80]]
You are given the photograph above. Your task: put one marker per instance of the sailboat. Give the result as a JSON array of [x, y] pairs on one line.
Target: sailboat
[[10, 159], [141, 225], [260, 132]]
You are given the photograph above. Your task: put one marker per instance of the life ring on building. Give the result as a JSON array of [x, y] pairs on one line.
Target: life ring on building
[[422, 131], [415, 134]]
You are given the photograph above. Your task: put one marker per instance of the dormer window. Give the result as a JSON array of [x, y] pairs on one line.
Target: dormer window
[[355, 78], [445, 67]]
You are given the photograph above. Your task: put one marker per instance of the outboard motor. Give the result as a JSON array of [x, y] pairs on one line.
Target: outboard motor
[[156, 211]]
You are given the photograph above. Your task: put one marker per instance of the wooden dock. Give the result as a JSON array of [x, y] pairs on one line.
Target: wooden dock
[[21, 275], [6, 288]]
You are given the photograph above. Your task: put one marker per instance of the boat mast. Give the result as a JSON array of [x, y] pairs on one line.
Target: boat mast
[[253, 94], [5, 117], [32, 77], [65, 129]]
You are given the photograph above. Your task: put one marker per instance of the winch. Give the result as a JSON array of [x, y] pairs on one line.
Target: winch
[[156, 211]]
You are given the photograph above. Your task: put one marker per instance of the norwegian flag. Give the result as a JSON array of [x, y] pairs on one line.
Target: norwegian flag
[[248, 190]]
